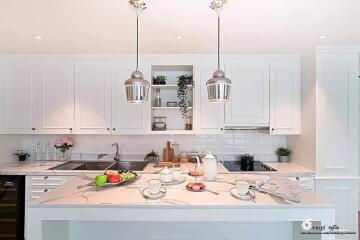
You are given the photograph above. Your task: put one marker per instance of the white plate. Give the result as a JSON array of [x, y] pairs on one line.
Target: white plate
[[147, 193], [235, 193], [181, 180]]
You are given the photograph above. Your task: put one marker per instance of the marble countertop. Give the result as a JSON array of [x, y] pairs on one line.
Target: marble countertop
[[41, 168], [130, 195]]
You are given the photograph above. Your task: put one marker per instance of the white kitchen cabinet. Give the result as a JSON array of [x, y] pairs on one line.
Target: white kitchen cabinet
[[55, 98], [128, 118], [93, 98], [343, 194], [18, 94], [249, 105], [337, 114], [285, 98], [209, 117]]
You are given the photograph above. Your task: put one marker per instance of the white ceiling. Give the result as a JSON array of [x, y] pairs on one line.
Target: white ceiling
[[108, 26]]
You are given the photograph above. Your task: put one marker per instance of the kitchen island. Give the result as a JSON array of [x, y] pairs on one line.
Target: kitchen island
[[123, 213]]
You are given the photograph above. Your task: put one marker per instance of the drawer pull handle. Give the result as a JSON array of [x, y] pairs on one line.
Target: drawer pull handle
[[46, 190], [46, 177]]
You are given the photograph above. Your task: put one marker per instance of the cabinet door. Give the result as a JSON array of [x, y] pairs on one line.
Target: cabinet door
[[209, 117], [337, 114], [93, 98], [18, 94], [128, 118], [56, 98], [344, 195], [285, 98], [249, 105]]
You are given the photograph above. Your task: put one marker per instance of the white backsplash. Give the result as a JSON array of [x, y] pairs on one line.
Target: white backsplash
[[227, 146]]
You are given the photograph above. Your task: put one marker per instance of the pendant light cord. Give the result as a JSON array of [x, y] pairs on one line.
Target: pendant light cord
[[219, 40], [137, 42]]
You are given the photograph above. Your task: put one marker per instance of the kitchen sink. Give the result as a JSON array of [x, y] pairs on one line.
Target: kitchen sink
[[135, 166], [99, 166]]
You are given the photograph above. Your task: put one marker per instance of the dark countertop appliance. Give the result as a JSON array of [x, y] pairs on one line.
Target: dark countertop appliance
[[247, 164]]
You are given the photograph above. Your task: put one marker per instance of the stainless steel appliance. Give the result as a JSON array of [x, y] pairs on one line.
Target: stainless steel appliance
[[12, 207], [247, 164]]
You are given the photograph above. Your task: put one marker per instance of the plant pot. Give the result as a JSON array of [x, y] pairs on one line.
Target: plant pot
[[284, 159], [22, 157]]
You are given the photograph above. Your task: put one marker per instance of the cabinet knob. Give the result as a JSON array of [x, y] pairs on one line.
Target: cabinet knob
[[70, 129], [273, 129], [114, 129], [108, 129], [221, 129], [46, 190], [46, 177], [33, 129]]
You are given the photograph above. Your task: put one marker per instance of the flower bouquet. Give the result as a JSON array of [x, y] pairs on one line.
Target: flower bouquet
[[63, 145]]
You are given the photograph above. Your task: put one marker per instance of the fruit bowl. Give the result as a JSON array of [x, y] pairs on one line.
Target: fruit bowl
[[112, 178]]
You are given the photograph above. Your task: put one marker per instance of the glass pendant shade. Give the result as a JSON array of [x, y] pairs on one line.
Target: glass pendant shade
[[137, 88], [218, 87]]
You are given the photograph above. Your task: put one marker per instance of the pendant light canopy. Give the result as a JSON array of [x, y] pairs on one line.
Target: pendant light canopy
[[137, 88], [219, 86]]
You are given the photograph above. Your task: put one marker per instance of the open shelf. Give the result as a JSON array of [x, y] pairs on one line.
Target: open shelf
[[176, 123]]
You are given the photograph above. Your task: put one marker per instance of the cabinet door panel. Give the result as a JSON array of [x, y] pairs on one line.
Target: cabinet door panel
[[128, 118], [337, 114], [93, 98], [285, 98], [249, 105], [56, 98], [209, 117], [18, 92]]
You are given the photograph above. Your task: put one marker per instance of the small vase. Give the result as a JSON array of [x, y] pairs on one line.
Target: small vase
[[284, 159], [64, 155]]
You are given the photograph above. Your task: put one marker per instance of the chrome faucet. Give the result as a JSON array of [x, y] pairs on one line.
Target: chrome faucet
[[117, 155]]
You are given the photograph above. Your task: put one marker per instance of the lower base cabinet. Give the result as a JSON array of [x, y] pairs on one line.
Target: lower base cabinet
[[344, 194]]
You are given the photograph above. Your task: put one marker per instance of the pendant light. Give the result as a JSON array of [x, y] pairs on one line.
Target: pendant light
[[219, 86], [137, 88]]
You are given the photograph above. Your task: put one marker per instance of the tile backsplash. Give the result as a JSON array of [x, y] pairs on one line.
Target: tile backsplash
[[227, 146]]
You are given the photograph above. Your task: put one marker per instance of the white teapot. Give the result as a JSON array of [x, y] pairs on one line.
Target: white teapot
[[210, 167], [166, 175]]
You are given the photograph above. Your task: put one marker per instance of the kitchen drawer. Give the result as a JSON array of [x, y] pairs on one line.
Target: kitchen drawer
[[46, 181], [35, 193], [306, 182]]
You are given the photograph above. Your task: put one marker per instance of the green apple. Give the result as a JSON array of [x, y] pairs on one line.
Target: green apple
[[100, 180]]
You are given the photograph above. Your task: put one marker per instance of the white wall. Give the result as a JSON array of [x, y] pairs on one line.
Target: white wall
[[8, 145], [304, 146], [228, 145]]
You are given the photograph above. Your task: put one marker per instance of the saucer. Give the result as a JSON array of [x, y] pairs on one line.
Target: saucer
[[146, 193], [181, 180], [247, 197]]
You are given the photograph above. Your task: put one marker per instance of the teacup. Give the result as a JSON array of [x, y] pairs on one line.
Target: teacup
[[242, 187], [154, 186]]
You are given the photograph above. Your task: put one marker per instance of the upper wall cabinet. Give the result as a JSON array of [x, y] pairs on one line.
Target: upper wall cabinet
[[93, 98], [285, 98], [209, 117], [128, 118], [337, 114], [55, 98], [249, 105], [18, 94]]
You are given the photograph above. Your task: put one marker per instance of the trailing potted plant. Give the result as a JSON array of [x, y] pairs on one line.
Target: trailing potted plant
[[22, 155], [159, 80], [283, 154], [182, 93]]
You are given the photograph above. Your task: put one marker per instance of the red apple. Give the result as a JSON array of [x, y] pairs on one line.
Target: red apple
[[114, 178]]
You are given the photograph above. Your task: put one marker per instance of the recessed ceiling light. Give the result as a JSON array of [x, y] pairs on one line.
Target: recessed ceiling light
[[38, 37], [178, 37], [323, 37]]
